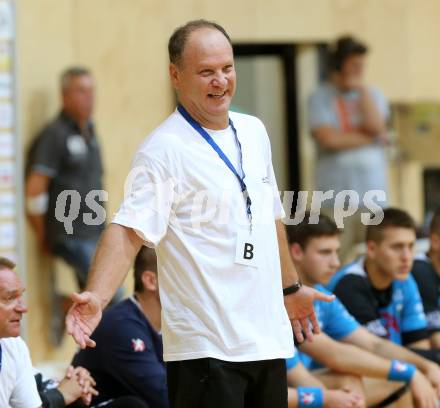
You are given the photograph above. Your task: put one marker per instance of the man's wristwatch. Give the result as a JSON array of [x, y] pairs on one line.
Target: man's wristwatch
[[292, 289]]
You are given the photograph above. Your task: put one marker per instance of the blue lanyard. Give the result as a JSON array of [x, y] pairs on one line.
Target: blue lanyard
[[222, 156]]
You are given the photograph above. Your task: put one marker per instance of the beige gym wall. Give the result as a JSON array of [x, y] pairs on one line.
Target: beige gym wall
[[124, 43], [44, 47]]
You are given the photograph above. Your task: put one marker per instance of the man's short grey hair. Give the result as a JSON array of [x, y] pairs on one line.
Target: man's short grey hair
[[178, 39], [5, 263], [70, 73]]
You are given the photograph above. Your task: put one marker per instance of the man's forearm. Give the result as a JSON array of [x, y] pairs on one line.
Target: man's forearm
[[333, 140], [349, 359], [390, 350], [38, 225], [350, 140], [114, 256], [288, 271], [373, 122]]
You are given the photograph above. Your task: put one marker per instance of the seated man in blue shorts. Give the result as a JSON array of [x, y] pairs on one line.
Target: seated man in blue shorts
[[378, 289], [426, 272], [127, 359], [344, 347]]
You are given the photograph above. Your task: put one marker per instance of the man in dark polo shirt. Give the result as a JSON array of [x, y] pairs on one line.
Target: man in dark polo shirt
[[127, 359], [64, 178]]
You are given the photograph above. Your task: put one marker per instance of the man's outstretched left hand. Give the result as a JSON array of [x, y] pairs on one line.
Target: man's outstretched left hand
[[299, 306]]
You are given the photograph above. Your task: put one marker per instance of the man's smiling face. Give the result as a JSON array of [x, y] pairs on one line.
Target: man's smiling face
[[205, 76]]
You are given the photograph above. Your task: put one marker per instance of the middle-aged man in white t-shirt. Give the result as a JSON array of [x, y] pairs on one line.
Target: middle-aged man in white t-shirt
[[18, 388], [202, 192]]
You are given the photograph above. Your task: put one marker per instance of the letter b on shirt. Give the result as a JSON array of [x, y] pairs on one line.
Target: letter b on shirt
[[248, 252]]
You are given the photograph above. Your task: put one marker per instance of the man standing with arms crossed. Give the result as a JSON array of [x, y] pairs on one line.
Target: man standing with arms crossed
[[225, 328], [348, 120]]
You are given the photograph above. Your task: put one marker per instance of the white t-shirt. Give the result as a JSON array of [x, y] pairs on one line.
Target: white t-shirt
[[186, 202], [18, 388]]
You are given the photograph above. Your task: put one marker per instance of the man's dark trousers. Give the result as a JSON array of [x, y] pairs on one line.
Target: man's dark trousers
[[212, 383]]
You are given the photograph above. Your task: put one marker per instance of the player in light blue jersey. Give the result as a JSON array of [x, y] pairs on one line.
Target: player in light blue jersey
[[378, 289], [344, 347]]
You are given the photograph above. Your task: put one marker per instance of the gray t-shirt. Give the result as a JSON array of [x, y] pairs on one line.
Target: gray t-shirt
[[360, 169]]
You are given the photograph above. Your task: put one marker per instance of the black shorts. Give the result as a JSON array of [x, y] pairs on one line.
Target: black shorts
[[212, 383]]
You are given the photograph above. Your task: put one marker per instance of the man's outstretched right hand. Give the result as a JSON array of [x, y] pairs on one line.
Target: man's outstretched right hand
[[83, 317]]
